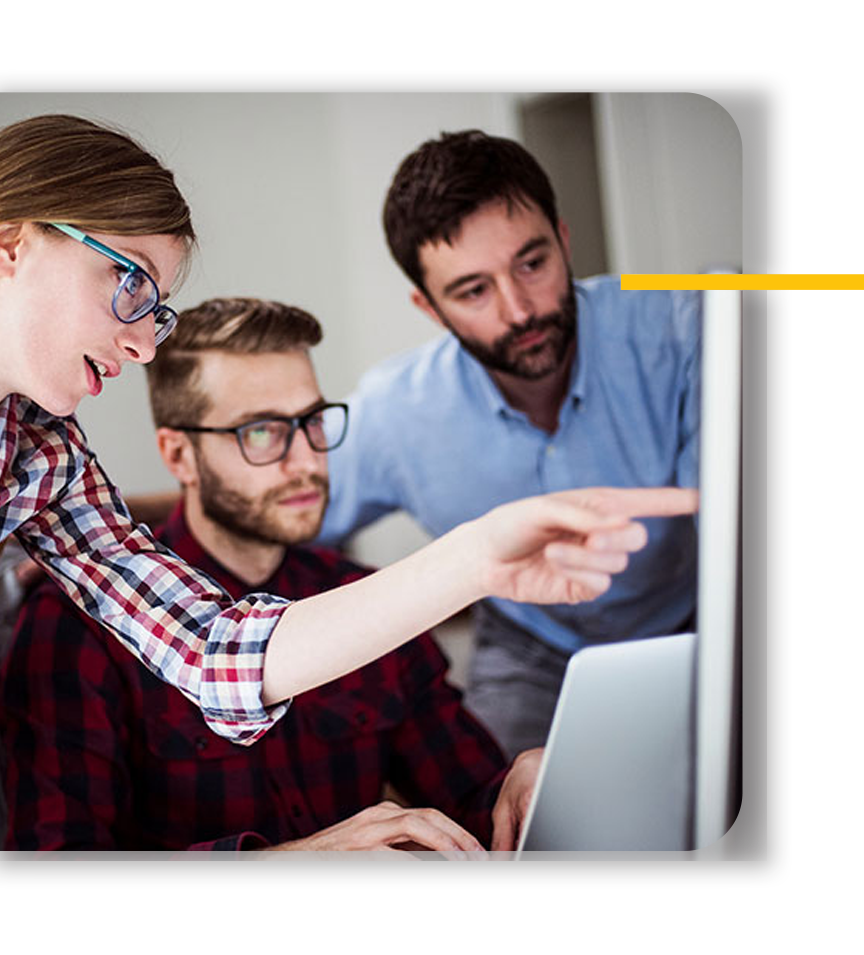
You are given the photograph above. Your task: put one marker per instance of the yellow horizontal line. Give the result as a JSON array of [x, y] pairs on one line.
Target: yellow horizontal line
[[817, 281]]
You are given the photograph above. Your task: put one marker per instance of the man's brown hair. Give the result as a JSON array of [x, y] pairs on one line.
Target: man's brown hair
[[240, 326], [447, 179]]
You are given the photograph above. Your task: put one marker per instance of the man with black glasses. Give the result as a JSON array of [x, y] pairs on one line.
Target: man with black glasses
[[103, 755]]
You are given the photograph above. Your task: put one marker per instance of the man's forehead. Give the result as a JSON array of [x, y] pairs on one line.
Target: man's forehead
[[271, 378], [497, 228], [297, 360]]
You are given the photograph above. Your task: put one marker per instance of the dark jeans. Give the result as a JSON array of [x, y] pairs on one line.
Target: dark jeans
[[513, 681]]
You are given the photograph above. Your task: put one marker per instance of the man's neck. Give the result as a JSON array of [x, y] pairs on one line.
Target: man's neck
[[540, 399], [252, 562]]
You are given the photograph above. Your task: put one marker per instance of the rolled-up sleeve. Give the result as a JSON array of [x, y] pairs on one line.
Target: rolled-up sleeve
[[174, 619]]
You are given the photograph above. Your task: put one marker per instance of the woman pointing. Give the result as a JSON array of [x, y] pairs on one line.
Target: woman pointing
[[93, 236]]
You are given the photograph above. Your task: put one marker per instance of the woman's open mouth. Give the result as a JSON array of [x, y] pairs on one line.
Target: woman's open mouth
[[95, 371]]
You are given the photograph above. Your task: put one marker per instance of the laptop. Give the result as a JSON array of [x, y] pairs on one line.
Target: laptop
[[617, 771]]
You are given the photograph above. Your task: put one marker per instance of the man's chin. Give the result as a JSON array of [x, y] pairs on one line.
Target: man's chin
[[269, 529], [300, 529], [537, 365]]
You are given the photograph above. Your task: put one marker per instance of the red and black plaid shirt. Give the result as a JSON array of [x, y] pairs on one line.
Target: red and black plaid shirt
[[58, 502], [100, 754]]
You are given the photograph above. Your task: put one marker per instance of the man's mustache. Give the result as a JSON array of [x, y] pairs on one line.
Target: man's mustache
[[533, 324], [298, 486]]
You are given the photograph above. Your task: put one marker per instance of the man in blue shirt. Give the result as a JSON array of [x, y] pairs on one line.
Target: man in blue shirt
[[542, 384]]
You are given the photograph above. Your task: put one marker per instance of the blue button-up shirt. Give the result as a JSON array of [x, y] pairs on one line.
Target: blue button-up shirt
[[430, 433]]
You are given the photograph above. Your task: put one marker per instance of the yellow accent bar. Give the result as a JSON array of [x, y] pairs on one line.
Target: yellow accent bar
[[818, 281]]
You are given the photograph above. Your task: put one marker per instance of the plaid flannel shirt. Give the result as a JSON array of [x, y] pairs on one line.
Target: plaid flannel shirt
[[101, 755], [57, 500]]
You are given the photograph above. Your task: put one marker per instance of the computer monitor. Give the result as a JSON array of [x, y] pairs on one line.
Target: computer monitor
[[729, 731], [717, 795]]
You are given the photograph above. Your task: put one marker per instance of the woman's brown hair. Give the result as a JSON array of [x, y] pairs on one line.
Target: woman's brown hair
[[59, 168]]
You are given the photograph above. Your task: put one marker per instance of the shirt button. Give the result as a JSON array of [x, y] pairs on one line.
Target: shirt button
[[200, 743], [361, 719], [550, 450]]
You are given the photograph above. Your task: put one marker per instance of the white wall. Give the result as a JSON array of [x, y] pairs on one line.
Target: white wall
[[670, 168], [286, 191]]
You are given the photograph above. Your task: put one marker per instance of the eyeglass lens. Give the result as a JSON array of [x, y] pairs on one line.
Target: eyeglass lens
[[135, 297], [267, 441], [166, 319]]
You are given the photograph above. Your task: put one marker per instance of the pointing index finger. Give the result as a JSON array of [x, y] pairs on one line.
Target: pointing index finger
[[643, 501], [654, 501]]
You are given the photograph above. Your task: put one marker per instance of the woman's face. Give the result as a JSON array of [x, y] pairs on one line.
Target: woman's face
[[60, 336]]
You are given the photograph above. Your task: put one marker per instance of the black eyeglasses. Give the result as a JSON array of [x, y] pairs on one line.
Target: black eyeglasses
[[269, 439]]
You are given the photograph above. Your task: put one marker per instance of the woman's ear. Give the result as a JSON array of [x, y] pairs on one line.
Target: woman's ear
[[178, 454], [11, 239]]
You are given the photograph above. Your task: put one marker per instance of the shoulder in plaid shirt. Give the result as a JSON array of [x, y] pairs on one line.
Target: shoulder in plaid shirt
[[102, 755], [57, 500]]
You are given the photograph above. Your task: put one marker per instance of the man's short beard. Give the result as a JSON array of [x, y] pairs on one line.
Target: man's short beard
[[246, 518], [525, 363]]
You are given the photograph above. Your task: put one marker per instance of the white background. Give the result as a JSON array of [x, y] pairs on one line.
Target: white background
[[807, 892]]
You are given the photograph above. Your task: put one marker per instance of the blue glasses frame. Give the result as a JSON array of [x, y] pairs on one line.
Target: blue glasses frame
[[164, 316]]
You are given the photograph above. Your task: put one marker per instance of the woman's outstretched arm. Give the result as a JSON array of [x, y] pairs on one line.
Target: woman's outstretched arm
[[556, 548]]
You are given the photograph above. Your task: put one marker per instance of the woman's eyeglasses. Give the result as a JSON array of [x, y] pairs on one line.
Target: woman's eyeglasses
[[137, 294]]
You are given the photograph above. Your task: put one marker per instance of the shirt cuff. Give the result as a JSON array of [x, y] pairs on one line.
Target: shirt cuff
[[232, 674], [244, 842]]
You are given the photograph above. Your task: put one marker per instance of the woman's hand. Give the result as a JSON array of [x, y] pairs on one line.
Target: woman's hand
[[557, 548], [565, 547]]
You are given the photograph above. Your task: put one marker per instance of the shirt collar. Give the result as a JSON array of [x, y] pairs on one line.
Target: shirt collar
[[175, 534], [480, 378], [8, 433]]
